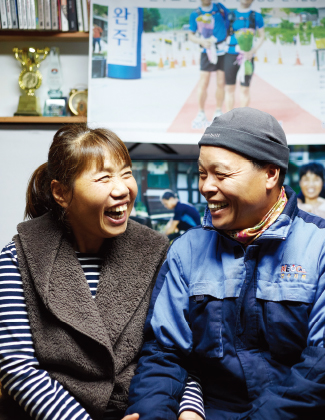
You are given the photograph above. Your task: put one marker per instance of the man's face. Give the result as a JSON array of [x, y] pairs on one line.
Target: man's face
[[206, 3], [234, 189], [246, 3], [169, 204]]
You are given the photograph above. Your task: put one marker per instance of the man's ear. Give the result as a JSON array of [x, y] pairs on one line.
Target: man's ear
[[60, 194], [272, 176]]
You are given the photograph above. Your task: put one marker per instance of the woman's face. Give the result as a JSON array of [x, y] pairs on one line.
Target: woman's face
[[311, 185], [101, 203]]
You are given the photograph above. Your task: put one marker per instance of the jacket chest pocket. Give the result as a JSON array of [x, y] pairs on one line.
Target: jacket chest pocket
[[287, 329], [205, 317], [286, 312]]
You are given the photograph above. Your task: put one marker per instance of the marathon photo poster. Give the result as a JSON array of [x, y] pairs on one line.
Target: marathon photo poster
[[144, 69]]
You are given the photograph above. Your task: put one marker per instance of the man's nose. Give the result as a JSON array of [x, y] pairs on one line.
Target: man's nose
[[209, 185]]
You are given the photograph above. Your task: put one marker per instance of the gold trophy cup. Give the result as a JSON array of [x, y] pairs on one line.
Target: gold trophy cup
[[30, 79]]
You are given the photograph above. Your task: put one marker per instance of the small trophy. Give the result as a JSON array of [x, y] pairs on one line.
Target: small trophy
[[56, 105], [30, 79]]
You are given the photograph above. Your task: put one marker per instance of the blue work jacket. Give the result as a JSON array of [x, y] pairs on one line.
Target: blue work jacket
[[249, 322]]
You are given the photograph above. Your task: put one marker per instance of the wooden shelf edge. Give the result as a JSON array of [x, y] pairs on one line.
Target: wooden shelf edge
[[42, 120], [41, 35]]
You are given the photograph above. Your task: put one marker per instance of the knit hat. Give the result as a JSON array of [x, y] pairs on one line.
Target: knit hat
[[250, 132]]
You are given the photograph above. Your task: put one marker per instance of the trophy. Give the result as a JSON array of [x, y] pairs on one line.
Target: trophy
[[56, 105], [30, 79]]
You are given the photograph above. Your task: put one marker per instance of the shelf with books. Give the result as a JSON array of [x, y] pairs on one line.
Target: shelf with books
[[63, 15], [42, 120], [35, 35]]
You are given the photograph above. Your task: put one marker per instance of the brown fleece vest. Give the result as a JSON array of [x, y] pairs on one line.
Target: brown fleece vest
[[88, 345]]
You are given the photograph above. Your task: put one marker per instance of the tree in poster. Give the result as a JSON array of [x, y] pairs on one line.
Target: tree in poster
[[151, 18]]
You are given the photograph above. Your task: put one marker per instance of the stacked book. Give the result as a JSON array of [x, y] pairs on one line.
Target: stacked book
[[55, 15]]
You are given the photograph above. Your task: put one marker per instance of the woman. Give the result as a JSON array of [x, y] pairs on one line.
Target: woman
[[311, 182], [75, 284]]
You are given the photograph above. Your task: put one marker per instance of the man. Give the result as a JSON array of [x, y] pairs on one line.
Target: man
[[185, 215], [97, 34], [210, 21], [240, 300], [242, 18]]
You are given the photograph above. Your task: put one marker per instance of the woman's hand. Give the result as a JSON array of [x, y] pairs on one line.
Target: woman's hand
[[134, 416], [189, 415], [249, 54], [206, 42]]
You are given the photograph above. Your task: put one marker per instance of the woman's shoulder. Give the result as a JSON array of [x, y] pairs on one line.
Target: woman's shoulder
[[9, 254], [136, 229], [145, 240]]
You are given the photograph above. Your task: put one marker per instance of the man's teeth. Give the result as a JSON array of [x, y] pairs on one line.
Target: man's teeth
[[217, 206]]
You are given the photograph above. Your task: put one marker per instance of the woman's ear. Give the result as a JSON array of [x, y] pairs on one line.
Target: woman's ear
[[272, 176], [60, 193]]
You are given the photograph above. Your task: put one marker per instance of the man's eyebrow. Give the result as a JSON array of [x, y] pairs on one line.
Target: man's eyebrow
[[217, 165]]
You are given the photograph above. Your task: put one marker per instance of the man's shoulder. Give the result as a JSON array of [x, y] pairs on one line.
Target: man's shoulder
[[183, 205], [309, 221], [221, 6], [192, 238], [196, 12]]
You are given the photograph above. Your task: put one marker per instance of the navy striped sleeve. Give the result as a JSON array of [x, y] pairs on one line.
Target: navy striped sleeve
[[192, 399], [39, 395]]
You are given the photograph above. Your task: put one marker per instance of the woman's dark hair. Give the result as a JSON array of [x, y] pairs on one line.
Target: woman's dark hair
[[314, 168], [74, 149]]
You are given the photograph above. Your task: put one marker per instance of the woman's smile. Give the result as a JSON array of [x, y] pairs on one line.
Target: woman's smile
[[117, 215]]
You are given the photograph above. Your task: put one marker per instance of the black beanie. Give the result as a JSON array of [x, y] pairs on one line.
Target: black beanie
[[250, 132]]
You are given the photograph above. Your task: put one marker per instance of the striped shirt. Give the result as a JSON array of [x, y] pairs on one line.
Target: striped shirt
[[20, 375], [192, 398]]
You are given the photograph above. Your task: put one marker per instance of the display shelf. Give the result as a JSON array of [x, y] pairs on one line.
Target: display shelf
[[42, 120], [36, 35]]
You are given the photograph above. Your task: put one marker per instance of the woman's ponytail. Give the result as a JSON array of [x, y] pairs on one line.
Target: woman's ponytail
[[38, 196]]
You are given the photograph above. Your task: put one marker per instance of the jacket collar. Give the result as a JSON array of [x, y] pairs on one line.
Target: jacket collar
[[278, 230]]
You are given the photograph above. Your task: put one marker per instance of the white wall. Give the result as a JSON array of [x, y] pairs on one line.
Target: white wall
[[21, 152]]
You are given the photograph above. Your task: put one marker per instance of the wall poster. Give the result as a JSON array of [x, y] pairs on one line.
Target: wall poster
[[144, 69]]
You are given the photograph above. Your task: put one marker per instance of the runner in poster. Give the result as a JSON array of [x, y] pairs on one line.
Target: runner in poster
[[210, 21], [97, 34], [243, 25]]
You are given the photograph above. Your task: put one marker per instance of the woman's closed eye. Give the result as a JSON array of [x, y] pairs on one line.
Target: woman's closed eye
[[127, 174]]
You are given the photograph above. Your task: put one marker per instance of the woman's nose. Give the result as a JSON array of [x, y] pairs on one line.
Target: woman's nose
[[119, 188]]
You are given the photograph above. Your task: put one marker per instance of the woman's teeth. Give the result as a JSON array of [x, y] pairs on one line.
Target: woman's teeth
[[120, 208], [116, 212], [218, 206]]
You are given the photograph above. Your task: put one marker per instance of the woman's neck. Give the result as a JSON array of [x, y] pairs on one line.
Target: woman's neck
[[241, 9], [315, 202], [207, 8]]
